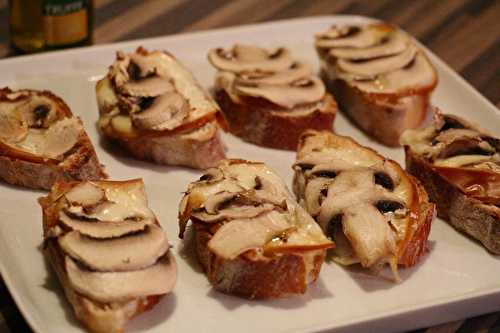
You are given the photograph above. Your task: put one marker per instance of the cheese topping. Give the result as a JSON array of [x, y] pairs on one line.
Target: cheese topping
[[37, 123], [253, 208], [150, 91], [461, 153], [361, 200]]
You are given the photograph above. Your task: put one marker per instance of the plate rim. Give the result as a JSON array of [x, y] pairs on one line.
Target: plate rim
[[361, 320]]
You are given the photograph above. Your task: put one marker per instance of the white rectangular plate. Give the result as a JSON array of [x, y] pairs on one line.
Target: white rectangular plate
[[457, 279]]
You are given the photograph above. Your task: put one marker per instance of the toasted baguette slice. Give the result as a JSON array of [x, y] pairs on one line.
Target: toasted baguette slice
[[41, 142], [252, 238], [268, 98], [103, 242], [374, 211], [381, 79], [152, 105], [459, 165]]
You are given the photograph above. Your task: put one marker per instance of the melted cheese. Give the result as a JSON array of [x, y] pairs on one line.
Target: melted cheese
[[239, 234]]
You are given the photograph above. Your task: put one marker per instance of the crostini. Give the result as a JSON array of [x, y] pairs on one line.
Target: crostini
[[381, 79], [459, 165], [152, 105], [269, 98], [41, 142], [251, 237], [374, 211], [108, 250]]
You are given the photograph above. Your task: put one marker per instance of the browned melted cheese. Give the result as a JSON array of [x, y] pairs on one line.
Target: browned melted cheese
[[252, 209], [460, 152]]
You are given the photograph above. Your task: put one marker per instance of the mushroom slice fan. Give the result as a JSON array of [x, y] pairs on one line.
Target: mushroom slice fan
[[375, 212], [153, 106], [381, 78], [103, 242], [269, 97]]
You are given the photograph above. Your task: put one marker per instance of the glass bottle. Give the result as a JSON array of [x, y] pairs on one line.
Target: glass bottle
[[38, 25]]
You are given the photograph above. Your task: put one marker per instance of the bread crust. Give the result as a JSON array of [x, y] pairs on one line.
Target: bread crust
[[254, 277], [185, 149], [382, 116], [415, 243], [43, 176], [466, 214], [262, 124]]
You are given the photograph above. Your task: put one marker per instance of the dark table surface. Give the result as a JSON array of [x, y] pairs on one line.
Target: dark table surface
[[464, 33]]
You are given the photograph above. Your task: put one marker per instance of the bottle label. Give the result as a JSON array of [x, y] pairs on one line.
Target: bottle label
[[65, 22]]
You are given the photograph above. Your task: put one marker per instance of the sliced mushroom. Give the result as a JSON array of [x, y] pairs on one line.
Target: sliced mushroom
[[313, 193], [465, 147], [235, 212], [38, 111], [383, 179], [297, 71], [85, 194], [387, 206], [300, 92], [61, 137], [394, 43], [123, 205], [445, 122], [167, 112], [343, 253], [418, 73], [148, 87], [452, 134], [349, 189], [143, 65], [13, 126], [378, 66], [337, 32], [369, 234], [118, 72], [211, 176], [215, 201], [462, 160], [127, 253], [103, 229], [241, 235], [244, 58], [107, 287], [227, 200], [363, 37]]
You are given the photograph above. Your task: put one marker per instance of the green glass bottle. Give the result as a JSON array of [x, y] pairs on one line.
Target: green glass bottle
[[38, 25]]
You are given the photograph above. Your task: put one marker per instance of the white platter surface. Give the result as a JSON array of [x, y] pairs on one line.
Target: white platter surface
[[457, 279]]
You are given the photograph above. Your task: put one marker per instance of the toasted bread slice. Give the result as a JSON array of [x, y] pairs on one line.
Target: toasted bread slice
[[268, 98], [152, 105], [103, 242], [374, 211], [381, 79], [41, 142], [252, 238], [459, 165]]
